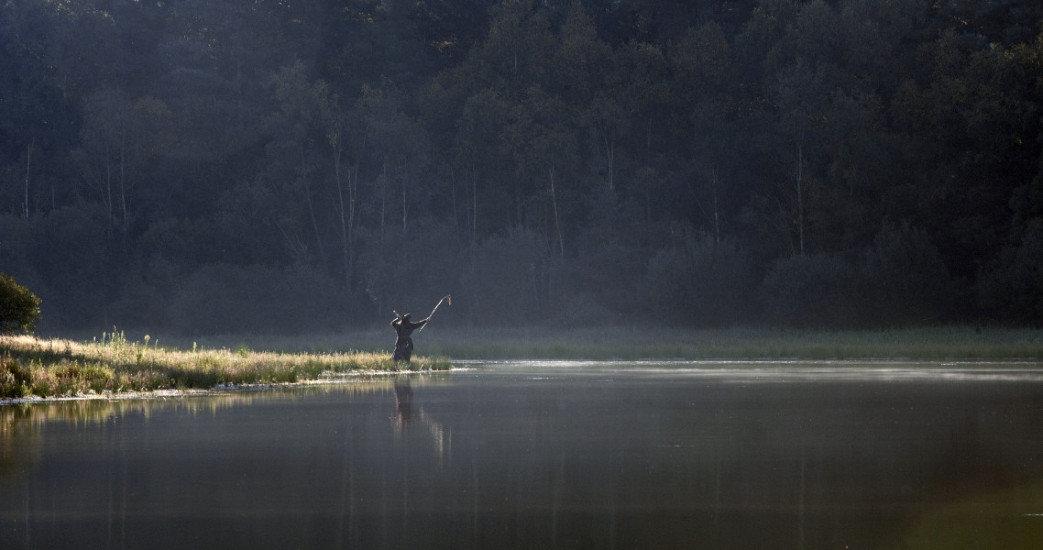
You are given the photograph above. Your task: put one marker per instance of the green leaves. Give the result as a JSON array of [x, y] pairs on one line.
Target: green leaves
[[363, 143], [19, 307]]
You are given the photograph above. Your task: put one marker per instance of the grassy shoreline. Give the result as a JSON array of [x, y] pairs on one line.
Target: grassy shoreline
[[113, 365], [947, 343]]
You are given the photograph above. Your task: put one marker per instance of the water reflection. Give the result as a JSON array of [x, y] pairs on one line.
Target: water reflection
[[785, 372], [615, 455], [408, 414]]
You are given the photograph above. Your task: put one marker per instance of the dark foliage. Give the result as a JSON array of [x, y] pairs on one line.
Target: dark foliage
[[19, 307], [273, 166]]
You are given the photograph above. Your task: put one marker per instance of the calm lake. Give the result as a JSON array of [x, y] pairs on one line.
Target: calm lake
[[545, 455]]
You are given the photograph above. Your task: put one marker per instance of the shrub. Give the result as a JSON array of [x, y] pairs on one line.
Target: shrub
[[503, 281], [1013, 288], [19, 308], [698, 281], [809, 291], [902, 279], [220, 298], [898, 279]]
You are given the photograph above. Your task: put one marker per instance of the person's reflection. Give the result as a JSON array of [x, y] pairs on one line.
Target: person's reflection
[[407, 414], [403, 402]]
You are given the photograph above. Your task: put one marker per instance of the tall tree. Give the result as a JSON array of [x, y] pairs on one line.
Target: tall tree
[[298, 129]]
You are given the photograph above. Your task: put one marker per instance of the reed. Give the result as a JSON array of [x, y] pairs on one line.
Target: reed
[[941, 343], [113, 365]]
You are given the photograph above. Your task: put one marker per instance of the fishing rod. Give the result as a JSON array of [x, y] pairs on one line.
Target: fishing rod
[[446, 298]]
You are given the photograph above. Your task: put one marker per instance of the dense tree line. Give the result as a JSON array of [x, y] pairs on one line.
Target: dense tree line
[[266, 165]]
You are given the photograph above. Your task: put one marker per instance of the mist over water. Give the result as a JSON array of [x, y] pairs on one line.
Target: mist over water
[[545, 455]]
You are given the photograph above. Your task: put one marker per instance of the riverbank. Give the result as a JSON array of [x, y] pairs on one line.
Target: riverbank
[[949, 343], [112, 366], [909, 344], [115, 366]]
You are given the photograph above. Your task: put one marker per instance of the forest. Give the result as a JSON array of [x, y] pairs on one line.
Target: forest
[[268, 166]]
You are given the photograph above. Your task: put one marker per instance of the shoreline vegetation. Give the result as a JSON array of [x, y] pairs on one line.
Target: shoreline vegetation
[[942, 343], [111, 366]]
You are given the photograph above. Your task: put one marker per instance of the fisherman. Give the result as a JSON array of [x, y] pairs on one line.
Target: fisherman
[[404, 344]]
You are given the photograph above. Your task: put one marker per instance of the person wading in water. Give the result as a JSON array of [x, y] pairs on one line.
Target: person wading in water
[[404, 344]]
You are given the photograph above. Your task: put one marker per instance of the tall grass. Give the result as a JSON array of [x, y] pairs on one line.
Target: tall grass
[[112, 364], [957, 343]]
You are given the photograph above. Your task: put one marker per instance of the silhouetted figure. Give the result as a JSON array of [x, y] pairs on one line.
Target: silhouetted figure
[[404, 344]]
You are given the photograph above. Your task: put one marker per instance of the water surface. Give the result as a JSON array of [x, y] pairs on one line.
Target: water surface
[[545, 455]]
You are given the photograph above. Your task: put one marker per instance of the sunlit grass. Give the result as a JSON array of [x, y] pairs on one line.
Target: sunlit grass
[[955, 343], [113, 365]]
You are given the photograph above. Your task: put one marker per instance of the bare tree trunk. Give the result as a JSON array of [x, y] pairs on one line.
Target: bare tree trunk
[[534, 281], [353, 197], [28, 166], [557, 222], [383, 199], [716, 209], [306, 179], [405, 208], [452, 196], [343, 218], [800, 194], [123, 188], [108, 191], [474, 209]]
